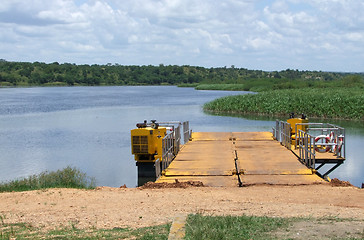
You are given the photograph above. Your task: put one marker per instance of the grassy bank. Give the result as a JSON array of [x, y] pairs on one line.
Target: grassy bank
[[231, 227], [251, 227], [26, 231], [65, 178], [268, 84], [334, 103], [203, 227]]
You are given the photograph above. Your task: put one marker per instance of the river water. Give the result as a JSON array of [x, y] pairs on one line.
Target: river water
[[89, 128]]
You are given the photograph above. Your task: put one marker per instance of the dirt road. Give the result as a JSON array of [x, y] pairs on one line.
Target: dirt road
[[113, 207]]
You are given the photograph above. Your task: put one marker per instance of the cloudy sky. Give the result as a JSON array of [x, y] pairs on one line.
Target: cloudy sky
[[325, 35]]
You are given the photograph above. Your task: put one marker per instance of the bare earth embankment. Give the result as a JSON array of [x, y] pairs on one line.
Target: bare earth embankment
[[107, 207]]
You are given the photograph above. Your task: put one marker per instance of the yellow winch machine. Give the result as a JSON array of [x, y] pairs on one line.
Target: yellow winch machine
[[296, 125], [147, 141], [154, 146]]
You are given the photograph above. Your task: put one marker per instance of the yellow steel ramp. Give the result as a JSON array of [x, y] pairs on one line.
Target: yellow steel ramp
[[210, 158], [262, 160]]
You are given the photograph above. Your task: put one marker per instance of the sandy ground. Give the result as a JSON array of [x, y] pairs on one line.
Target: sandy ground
[[123, 207]]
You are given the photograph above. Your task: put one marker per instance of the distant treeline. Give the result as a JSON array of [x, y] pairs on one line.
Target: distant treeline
[[67, 74]]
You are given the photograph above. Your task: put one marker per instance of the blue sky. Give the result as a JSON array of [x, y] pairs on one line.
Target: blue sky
[[325, 35]]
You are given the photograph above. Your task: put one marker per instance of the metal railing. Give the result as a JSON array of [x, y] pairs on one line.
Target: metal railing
[[313, 138], [276, 134], [186, 132], [157, 167], [176, 139], [335, 136], [171, 145], [307, 147], [282, 133]]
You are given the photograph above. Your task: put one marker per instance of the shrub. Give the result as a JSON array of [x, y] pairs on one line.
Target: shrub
[[65, 178]]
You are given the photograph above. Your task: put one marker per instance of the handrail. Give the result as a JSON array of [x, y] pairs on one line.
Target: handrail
[[186, 132], [311, 138], [276, 131], [282, 133], [307, 147], [168, 146], [171, 145], [335, 133], [157, 167], [168, 150]]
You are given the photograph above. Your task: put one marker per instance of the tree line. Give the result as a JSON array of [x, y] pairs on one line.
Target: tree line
[[68, 74]]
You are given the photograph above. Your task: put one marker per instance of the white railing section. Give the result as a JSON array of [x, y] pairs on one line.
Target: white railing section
[[318, 138], [330, 137], [307, 147], [282, 133], [186, 132]]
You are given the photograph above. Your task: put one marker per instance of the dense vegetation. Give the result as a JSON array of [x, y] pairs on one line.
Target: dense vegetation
[[65, 178], [42, 74], [260, 85], [333, 103], [321, 103]]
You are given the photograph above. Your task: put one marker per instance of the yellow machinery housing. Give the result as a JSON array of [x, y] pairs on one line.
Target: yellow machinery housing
[[293, 122], [147, 142]]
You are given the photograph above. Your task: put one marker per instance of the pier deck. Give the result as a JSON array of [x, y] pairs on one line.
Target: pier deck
[[218, 158]]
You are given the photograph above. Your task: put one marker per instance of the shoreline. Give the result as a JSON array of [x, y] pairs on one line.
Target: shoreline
[[106, 207]]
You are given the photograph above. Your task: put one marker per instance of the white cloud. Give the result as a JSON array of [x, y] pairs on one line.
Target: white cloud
[[269, 35]]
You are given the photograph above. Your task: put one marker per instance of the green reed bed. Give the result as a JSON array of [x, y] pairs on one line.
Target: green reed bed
[[188, 85], [66, 178], [223, 87], [347, 103]]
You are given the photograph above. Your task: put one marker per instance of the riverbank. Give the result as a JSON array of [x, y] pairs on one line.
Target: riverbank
[[332, 103], [109, 208]]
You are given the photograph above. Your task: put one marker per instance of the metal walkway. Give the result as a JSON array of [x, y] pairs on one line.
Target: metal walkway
[[219, 159]]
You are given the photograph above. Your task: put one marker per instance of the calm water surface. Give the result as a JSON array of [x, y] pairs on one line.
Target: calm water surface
[[89, 128]]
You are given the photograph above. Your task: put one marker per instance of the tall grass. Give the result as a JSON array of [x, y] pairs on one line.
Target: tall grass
[[66, 178], [268, 84], [332, 103], [231, 227], [27, 231]]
